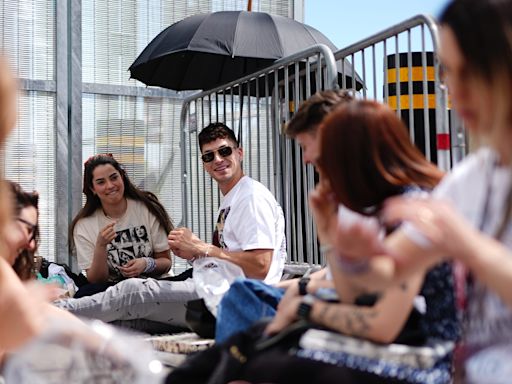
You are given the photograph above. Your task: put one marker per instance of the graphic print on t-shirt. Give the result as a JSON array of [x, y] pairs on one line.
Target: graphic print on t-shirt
[[130, 243], [218, 238]]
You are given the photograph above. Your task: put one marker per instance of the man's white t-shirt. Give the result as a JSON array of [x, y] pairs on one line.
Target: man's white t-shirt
[[249, 217], [139, 234]]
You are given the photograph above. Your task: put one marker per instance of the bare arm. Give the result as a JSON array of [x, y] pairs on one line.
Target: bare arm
[[380, 323], [255, 263], [450, 234], [98, 271], [21, 318], [318, 275]]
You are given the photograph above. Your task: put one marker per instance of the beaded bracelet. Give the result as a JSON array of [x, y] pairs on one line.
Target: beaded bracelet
[[347, 265], [352, 266], [199, 256], [150, 265]]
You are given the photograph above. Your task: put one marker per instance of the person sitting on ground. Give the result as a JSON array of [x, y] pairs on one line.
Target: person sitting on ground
[[469, 217], [26, 213], [249, 300], [249, 233], [24, 308], [365, 157], [105, 232]]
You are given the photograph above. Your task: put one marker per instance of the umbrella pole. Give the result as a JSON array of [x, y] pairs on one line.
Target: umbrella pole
[[249, 6]]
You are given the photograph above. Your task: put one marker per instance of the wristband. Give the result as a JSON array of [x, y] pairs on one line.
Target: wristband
[[303, 285], [305, 307], [150, 265], [352, 266]]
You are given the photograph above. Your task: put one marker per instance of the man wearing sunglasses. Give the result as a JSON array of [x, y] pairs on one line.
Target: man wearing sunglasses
[[249, 232], [250, 225]]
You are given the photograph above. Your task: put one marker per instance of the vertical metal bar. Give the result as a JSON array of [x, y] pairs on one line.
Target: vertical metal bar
[[397, 80], [289, 213], [409, 87], [364, 73], [386, 93], [268, 104], [249, 132], [300, 211], [308, 78], [374, 73], [428, 155], [258, 128], [353, 64]]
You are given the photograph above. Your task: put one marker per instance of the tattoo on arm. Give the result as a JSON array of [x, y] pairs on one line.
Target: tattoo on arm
[[355, 321]]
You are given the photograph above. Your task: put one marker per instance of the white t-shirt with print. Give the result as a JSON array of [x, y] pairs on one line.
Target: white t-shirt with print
[[249, 217], [475, 183], [139, 234]]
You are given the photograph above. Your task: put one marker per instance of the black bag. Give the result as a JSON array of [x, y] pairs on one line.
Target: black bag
[[224, 362], [200, 319], [250, 356]]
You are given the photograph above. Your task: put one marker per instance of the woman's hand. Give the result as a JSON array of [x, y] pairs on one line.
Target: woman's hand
[[286, 311], [106, 235], [325, 210], [133, 268], [353, 240], [448, 232]]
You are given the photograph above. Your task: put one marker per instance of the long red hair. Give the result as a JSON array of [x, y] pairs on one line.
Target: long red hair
[[367, 156]]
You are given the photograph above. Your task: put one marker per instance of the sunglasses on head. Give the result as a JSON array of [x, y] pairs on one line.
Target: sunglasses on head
[[222, 151]]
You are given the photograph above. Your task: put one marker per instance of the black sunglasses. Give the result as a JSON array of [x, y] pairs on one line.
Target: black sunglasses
[[32, 228], [222, 151]]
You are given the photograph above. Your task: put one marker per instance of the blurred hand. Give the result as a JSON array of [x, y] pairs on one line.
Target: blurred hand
[[107, 234], [185, 244], [354, 240], [448, 232], [286, 310], [133, 267]]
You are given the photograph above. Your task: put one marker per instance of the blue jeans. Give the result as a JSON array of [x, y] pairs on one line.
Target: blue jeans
[[246, 302]]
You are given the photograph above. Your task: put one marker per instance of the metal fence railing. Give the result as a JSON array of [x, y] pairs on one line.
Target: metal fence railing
[[398, 66], [256, 107]]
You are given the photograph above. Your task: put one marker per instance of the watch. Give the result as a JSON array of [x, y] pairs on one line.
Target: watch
[[305, 306], [303, 284]]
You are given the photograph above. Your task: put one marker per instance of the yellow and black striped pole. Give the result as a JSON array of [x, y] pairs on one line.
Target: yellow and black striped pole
[[411, 90]]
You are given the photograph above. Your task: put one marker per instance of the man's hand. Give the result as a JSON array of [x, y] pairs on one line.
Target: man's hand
[[185, 244], [133, 267]]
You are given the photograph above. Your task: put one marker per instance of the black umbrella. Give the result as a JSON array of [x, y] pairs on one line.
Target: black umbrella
[[206, 50]]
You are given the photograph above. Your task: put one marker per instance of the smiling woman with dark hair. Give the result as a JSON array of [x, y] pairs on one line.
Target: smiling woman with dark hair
[[115, 212]]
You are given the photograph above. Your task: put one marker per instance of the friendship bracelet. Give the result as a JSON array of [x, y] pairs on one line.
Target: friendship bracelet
[[352, 266], [347, 265], [150, 265]]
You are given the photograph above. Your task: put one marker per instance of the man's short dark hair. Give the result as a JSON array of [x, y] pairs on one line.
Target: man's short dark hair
[[312, 111], [214, 131]]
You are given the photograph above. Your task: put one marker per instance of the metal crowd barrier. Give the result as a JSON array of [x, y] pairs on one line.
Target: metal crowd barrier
[[399, 66], [258, 106]]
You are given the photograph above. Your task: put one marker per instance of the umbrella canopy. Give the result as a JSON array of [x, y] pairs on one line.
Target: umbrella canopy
[[206, 50]]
